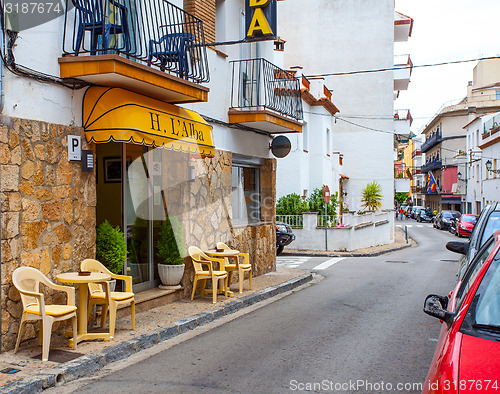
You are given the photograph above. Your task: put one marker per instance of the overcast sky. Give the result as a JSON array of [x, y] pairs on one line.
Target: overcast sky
[[445, 30]]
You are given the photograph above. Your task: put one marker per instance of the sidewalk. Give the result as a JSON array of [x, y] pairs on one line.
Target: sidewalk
[[399, 243], [152, 327]]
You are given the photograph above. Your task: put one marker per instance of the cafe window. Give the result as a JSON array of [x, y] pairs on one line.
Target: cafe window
[[245, 194]]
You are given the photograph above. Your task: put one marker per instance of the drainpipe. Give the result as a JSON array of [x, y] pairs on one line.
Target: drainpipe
[[2, 103]]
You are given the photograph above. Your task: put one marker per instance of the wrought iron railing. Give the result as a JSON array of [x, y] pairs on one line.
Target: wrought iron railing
[[151, 32], [431, 142], [258, 84], [431, 166]]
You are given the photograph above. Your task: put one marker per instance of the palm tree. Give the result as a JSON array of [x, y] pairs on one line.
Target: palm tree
[[371, 196]]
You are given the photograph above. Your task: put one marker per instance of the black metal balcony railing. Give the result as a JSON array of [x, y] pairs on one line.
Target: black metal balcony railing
[[431, 142], [431, 166], [258, 84], [151, 32]]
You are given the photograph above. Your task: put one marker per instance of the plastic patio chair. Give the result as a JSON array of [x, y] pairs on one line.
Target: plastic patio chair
[[172, 48], [237, 266], [91, 18], [200, 259], [97, 295], [27, 281]]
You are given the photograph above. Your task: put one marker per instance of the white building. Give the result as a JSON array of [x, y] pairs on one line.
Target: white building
[[483, 151], [329, 38]]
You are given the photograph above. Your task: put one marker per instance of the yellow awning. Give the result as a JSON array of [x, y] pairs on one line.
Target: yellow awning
[[114, 114]]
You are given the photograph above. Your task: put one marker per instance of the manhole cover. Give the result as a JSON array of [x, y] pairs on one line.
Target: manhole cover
[[397, 261]]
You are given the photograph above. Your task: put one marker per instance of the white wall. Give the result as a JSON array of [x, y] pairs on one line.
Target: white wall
[[331, 36]]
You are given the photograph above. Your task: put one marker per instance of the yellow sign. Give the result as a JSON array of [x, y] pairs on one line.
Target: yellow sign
[[114, 114], [259, 24]]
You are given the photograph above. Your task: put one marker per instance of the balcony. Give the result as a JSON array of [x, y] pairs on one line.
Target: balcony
[[402, 74], [151, 47], [402, 121], [265, 97], [403, 26], [416, 153], [431, 142], [431, 166], [416, 189], [416, 171], [489, 135]]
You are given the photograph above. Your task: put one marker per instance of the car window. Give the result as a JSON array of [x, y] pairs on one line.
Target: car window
[[472, 271], [447, 215], [455, 214], [492, 225], [487, 310], [474, 237], [469, 219]]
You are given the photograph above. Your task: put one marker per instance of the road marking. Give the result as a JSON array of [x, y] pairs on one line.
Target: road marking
[[290, 261], [328, 263], [419, 225]]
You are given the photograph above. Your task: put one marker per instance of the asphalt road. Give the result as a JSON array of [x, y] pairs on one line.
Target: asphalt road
[[360, 329]]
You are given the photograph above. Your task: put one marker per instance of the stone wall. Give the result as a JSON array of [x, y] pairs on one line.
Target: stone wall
[[205, 212], [48, 210]]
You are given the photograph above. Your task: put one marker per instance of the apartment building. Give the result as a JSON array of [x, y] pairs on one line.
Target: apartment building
[[326, 40], [445, 145], [131, 112]]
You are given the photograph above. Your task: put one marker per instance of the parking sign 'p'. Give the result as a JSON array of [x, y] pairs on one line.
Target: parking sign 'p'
[[74, 148]]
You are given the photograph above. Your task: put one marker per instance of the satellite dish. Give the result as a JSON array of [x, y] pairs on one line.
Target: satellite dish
[[281, 146]]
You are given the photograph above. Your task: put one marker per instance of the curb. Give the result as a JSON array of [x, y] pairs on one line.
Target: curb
[[91, 363], [346, 254]]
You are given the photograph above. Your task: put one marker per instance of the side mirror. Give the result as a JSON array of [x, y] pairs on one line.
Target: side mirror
[[460, 247], [436, 305]]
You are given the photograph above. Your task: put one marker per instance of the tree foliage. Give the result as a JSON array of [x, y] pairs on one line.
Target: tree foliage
[[293, 204], [400, 198], [371, 196], [170, 240], [111, 247]]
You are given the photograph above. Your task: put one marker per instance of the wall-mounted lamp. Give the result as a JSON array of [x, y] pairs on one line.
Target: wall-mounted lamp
[[344, 193], [191, 174], [488, 167], [460, 177]]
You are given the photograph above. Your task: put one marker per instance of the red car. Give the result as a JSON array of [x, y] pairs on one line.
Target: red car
[[467, 356], [464, 225]]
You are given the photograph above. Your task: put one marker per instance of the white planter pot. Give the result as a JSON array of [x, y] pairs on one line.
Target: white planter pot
[[170, 276]]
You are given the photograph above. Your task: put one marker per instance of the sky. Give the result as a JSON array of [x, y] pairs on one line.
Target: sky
[[444, 30]]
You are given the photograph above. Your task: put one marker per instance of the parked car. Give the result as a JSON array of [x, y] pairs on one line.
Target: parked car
[[425, 215], [487, 223], [464, 225], [416, 212], [411, 211], [284, 236], [467, 355], [444, 219]]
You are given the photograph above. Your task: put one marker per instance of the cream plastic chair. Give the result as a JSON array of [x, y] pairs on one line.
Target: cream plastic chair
[[27, 280], [200, 259], [97, 295], [237, 266]]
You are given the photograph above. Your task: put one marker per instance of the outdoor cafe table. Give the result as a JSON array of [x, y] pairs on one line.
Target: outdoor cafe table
[[82, 281], [225, 254]]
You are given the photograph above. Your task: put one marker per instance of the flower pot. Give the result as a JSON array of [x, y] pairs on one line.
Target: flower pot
[[170, 276]]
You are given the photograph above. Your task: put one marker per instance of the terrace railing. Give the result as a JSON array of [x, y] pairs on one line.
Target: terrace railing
[[258, 84], [151, 32], [296, 221]]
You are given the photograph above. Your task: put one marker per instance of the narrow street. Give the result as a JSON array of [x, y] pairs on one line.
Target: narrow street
[[360, 329]]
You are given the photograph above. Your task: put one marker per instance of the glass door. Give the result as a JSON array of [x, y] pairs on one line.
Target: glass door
[[137, 216]]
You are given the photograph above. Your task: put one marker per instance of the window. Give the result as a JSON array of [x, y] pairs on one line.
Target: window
[[497, 94], [305, 137], [245, 194], [328, 144]]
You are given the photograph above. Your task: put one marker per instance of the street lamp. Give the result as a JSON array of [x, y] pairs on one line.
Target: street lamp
[[488, 167]]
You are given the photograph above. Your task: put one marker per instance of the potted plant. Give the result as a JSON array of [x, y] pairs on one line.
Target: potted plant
[[111, 248], [170, 250]]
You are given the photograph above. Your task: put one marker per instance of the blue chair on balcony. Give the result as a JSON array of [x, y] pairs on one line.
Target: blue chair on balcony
[[92, 18], [172, 48]]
